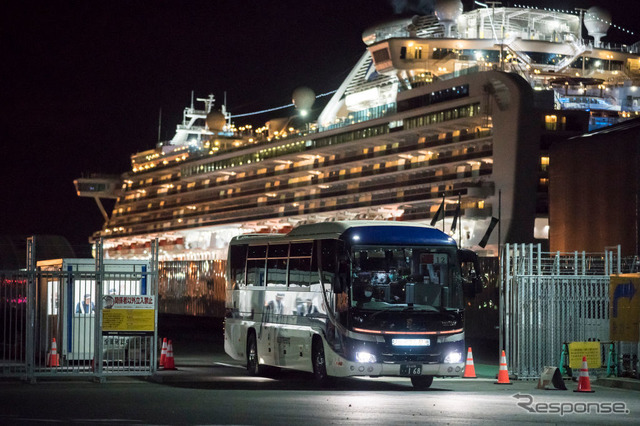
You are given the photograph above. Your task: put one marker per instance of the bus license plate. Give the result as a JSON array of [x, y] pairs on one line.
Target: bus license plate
[[410, 370]]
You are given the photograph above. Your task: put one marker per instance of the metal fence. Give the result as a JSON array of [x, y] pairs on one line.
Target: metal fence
[[548, 299], [53, 315]]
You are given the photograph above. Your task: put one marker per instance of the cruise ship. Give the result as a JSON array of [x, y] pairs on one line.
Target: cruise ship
[[455, 110]]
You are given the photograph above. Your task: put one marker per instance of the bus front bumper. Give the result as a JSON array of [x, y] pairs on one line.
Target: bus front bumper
[[340, 367]]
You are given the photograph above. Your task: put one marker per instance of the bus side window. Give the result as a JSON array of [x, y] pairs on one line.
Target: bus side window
[[237, 260], [276, 272], [277, 264], [328, 260], [300, 272], [256, 265], [300, 265]]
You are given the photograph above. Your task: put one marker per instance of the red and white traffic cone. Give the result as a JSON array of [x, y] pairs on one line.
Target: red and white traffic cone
[[469, 369], [503, 372], [584, 385], [163, 354], [53, 360], [169, 363]]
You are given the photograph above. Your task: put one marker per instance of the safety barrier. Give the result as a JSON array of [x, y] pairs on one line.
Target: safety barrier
[[548, 299], [79, 317]]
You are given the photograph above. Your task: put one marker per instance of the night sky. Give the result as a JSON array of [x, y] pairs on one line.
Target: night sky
[[83, 81]]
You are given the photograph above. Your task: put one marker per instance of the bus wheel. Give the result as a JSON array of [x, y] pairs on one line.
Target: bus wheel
[[253, 367], [319, 363], [422, 382]]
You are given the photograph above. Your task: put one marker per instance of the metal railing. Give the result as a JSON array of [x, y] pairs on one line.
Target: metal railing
[[548, 299], [54, 321]]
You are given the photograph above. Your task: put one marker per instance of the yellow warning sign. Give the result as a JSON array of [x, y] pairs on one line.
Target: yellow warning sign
[[591, 350], [128, 320], [624, 308]]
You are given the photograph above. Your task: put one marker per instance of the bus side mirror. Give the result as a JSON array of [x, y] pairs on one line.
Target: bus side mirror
[[472, 272]]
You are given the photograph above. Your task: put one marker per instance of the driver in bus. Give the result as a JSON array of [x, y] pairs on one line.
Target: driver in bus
[[365, 296]]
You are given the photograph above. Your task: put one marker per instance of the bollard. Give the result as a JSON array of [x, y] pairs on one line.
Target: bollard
[[612, 365], [564, 356]]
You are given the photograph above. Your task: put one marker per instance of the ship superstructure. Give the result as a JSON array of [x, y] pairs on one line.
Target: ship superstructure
[[453, 109]]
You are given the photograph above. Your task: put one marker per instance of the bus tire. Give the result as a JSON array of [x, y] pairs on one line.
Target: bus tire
[[422, 382], [253, 366], [319, 363]]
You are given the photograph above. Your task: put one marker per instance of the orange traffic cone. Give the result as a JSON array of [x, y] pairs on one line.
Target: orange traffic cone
[[169, 363], [503, 373], [53, 360], [469, 369], [163, 354], [584, 385]]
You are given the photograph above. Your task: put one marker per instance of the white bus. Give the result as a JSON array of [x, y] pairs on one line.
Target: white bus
[[356, 298]]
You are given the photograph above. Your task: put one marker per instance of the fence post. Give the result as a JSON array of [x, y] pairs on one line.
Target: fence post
[[155, 282], [502, 285], [619, 260], [97, 331], [31, 309]]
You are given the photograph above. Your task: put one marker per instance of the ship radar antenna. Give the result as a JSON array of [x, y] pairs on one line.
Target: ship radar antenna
[[227, 115], [160, 126]]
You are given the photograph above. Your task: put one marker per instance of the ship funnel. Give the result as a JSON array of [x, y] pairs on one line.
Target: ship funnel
[[448, 12], [597, 21]]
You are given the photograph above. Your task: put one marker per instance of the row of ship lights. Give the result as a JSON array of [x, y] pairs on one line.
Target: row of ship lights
[[260, 131], [277, 135], [573, 12]]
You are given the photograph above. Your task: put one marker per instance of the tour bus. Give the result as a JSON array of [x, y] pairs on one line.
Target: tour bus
[[353, 298]]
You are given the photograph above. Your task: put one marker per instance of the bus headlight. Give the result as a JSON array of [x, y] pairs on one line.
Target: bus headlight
[[453, 358], [365, 357]]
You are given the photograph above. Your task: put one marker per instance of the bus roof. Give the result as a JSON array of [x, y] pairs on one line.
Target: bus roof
[[357, 232]]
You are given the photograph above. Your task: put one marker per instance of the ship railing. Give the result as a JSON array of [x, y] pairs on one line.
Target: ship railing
[[578, 47], [516, 49]]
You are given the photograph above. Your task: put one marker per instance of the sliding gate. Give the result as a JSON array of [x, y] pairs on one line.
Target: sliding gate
[[79, 317]]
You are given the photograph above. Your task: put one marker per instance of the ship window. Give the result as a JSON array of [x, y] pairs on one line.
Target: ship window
[[544, 163], [551, 122], [381, 55], [403, 52]]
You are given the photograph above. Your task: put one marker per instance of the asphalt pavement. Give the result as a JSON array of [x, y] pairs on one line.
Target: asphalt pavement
[[199, 342]]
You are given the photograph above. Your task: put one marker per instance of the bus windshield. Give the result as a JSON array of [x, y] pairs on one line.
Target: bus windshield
[[424, 278]]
